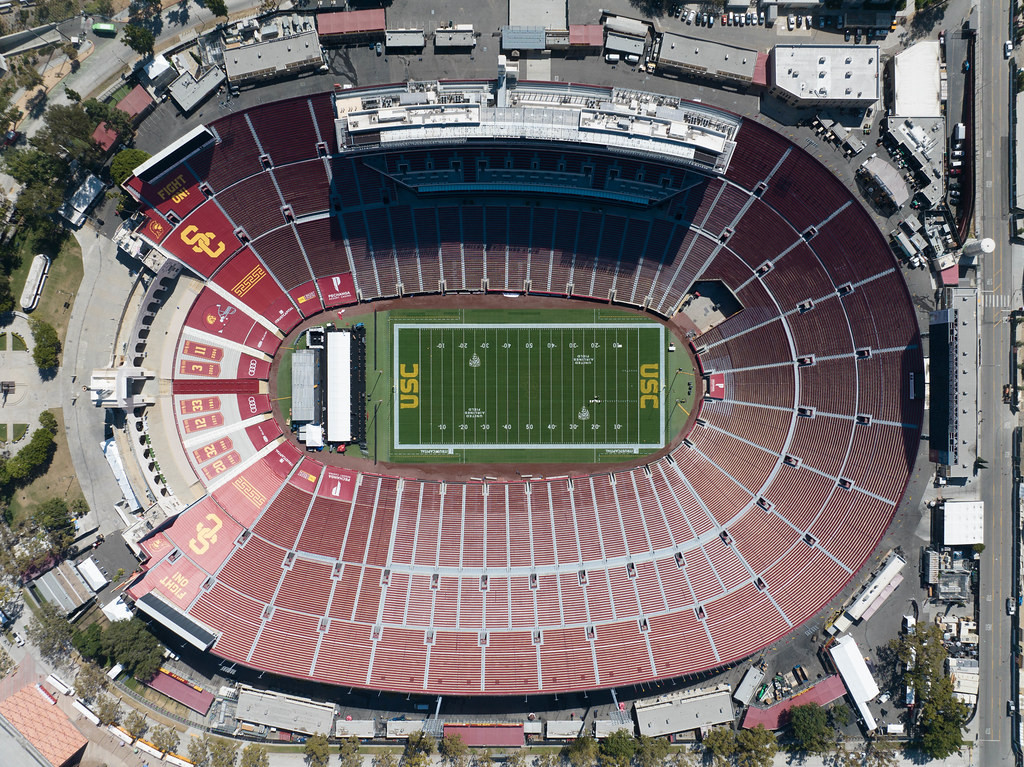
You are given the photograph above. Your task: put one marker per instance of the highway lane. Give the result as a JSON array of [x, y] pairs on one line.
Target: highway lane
[[999, 276]]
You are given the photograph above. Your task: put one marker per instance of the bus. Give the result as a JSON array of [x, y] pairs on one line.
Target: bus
[[110, 30]]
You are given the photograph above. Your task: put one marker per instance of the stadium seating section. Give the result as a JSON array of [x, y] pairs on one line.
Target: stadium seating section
[[741, 533]]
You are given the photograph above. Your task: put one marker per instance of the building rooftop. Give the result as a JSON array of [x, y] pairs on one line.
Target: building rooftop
[[550, 14], [137, 101], [684, 711], [591, 35], [285, 712], [523, 38], [963, 523], [188, 92], [827, 73], [104, 136], [704, 57], [272, 56], [33, 713], [351, 22], [919, 86]]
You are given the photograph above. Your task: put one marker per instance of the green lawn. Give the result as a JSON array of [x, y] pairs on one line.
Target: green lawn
[[20, 430], [61, 284], [3, 342], [523, 386], [18, 343], [3, 432]]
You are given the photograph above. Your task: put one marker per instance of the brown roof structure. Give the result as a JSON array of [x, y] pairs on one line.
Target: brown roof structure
[[351, 22], [44, 725], [105, 136], [136, 102]]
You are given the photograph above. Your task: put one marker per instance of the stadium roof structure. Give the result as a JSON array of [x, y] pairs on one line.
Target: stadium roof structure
[[602, 578], [31, 711]]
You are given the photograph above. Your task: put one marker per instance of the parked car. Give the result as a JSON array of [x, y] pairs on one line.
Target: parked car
[[690, 17], [799, 22], [379, 49], [1011, 608], [791, 21], [18, 639], [760, 18], [1008, 49], [807, 21], [711, 20], [11, 138], [846, 35]]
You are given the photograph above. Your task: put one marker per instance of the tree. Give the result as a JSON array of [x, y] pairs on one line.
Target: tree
[[48, 421], [125, 162], [35, 454], [52, 515], [516, 758], [385, 759], [217, 7], [6, 296], [483, 758], [104, 7], [107, 709], [130, 644], [721, 743], [881, 752], [74, 95], [223, 753], [199, 750], [617, 749], [419, 747], [50, 631], [45, 345], [582, 752], [317, 751], [756, 747], [681, 758], [651, 752], [348, 752], [138, 38], [942, 720], [38, 201], [546, 759], [135, 723], [89, 642], [811, 728], [454, 751], [166, 739], [90, 682]]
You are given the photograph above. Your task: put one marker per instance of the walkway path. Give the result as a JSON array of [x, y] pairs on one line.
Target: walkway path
[[32, 394]]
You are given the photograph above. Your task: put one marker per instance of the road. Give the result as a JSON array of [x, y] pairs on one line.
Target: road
[[1000, 275]]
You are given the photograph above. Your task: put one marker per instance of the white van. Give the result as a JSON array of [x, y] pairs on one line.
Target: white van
[[632, 59], [612, 58]]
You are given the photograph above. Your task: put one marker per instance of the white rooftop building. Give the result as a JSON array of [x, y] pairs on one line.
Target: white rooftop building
[[963, 523], [919, 80], [825, 75], [856, 676]]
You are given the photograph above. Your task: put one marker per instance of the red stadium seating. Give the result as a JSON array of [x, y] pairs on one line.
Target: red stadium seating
[[695, 561]]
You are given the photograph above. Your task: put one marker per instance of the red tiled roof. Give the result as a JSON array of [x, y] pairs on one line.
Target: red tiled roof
[[591, 35], [351, 22], [43, 724], [135, 102], [494, 735], [105, 136]]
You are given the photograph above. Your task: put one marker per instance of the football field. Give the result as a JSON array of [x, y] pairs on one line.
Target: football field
[[491, 383]]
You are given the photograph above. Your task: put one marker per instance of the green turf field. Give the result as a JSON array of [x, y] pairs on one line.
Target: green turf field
[[524, 385]]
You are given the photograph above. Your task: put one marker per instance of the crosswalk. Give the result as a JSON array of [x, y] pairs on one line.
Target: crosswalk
[[997, 300]]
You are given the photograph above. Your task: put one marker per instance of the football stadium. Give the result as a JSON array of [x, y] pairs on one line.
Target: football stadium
[[606, 387]]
